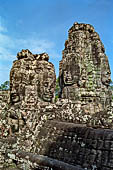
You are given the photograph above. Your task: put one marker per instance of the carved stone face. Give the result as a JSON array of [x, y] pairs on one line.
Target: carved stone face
[[40, 77], [46, 86], [106, 77], [47, 90], [67, 77], [70, 73], [15, 80], [18, 81]]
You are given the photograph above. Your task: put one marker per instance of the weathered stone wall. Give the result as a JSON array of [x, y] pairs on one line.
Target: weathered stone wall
[[77, 144], [74, 144]]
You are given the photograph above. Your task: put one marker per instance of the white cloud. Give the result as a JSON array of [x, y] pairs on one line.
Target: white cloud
[[2, 29], [6, 54], [9, 46], [34, 44]]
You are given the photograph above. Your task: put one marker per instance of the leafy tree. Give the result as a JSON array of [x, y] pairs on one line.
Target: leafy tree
[[111, 85], [57, 89], [4, 86]]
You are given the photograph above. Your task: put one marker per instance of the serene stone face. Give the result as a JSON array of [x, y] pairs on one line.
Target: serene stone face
[[67, 78], [32, 72], [46, 86], [17, 86]]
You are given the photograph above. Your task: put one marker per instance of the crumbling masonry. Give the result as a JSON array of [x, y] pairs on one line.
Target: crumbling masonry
[[74, 133]]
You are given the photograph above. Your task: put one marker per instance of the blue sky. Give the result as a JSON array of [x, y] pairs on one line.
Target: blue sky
[[42, 26]]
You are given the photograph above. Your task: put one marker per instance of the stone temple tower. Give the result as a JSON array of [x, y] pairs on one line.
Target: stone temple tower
[[32, 79], [84, 70]]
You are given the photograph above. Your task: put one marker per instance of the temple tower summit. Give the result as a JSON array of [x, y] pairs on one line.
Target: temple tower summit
[[84, 69]]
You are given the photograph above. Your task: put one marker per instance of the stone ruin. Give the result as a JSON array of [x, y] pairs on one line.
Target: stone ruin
[[85, 73], [73, 133]]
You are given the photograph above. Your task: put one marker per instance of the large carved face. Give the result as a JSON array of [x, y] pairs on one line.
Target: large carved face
[[41, 78], [67, 77], [18, 81], [70, 73], [106, 77], [15, 80], [46, 85]]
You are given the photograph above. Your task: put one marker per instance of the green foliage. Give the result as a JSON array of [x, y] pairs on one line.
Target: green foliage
[[4, 86], [111, 85], [56, 98], [57, 89], [57, 86]]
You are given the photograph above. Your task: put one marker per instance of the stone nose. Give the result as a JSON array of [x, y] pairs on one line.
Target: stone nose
[[47, 89]]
